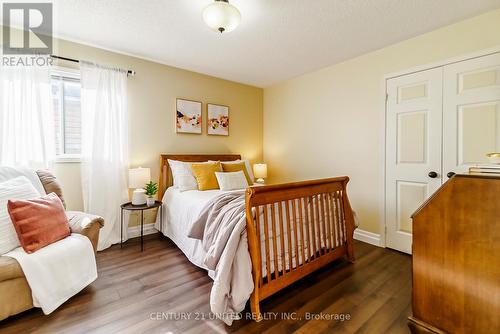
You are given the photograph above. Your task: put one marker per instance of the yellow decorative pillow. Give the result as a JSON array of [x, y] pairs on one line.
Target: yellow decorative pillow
[[236, 167], [205, 175]]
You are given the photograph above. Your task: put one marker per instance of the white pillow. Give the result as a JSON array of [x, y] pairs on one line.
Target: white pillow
[[231, 180], [247, 165], [17, 188], [183, 175], [9, 173]]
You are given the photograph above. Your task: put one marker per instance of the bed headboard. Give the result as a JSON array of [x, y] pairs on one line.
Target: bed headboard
[[166, 174]]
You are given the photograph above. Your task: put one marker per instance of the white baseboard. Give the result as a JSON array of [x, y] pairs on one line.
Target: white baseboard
[[368, 237], [135, 231]]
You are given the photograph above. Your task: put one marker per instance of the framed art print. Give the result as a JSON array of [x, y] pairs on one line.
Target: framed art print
[[188, 119], [218, 120]]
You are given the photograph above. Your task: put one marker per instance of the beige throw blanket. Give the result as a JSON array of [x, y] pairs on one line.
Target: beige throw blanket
[[221, 227]]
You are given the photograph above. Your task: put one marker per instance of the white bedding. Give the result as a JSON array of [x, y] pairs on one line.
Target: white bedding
[[180, 210]]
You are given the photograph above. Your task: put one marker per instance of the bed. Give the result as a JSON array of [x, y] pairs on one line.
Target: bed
[[291, 229]]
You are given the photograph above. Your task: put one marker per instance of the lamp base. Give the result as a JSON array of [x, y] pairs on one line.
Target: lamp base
[[260, 180], [139, 197]]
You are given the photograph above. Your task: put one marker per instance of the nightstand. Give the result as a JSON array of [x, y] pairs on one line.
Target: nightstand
[[130, 207]]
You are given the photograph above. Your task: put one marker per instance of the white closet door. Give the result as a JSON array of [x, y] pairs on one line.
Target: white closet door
[[471, 112], [413, 151]]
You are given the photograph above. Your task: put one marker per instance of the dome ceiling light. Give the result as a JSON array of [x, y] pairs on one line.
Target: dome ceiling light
[[221, 16]]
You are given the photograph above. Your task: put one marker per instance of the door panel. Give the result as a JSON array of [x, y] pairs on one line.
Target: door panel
[[412, 134], [471, 112], [410, 195], [413, 91], [414, 126], [478, 79], [477, 132]]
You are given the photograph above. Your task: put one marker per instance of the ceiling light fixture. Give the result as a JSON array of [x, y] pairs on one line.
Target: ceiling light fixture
[[221, 16]]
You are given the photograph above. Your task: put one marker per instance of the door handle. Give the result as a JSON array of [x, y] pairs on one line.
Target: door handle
[[433, 175], [450, 174]]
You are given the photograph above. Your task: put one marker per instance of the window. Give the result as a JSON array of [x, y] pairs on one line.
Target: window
[[67, 114]]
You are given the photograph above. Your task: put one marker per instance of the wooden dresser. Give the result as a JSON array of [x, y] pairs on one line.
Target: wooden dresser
[[456, 258]]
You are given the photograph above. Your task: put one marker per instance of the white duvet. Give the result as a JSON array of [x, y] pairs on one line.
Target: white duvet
[[233, 281], [180, 210]]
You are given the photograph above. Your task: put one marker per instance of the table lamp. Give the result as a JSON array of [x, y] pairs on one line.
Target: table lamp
[[260, 172], [137, 179]]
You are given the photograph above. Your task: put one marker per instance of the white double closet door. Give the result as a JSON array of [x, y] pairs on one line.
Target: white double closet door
[[439, 122]]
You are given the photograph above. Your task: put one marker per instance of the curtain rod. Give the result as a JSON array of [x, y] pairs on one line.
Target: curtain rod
[[129, 72]]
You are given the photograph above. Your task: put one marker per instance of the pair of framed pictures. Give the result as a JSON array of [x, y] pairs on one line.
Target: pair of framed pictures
[[189, 118]]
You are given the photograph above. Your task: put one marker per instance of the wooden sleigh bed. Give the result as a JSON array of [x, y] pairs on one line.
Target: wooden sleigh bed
[[318, 210]]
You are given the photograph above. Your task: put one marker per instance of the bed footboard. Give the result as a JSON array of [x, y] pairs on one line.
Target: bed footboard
[[294, 229]]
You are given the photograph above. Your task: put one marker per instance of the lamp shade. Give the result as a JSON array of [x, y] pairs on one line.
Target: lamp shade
[[221, 16], [138, 177], [260, 171]]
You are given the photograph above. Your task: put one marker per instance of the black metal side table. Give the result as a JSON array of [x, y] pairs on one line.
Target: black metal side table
[[130, 207]]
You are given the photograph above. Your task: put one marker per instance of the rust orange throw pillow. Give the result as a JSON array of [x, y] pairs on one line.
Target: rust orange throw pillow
[[39, 222]]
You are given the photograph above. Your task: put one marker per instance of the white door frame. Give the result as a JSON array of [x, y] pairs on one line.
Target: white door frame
[[383, 120]]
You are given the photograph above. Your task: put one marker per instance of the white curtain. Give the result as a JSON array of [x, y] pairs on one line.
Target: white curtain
[[104, 146], [26, 117]]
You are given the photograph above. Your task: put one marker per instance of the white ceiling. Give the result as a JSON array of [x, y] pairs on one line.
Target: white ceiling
[[277, 39]]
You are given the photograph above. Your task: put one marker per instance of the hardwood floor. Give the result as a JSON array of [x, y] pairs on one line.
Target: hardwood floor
[[136, 292]]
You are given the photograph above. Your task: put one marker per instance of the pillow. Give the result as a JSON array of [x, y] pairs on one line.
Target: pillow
[[247, 164], [39, 222], [182, 175], [232, 180], [234, 167], [9, 173], [16, 188], [50, 184], [205, 175]]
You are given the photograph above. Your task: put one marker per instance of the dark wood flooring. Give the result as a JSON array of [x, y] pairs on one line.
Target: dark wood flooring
[[136, 292]]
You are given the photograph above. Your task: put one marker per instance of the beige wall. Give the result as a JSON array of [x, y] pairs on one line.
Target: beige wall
[[152, 93], [330, 122]]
